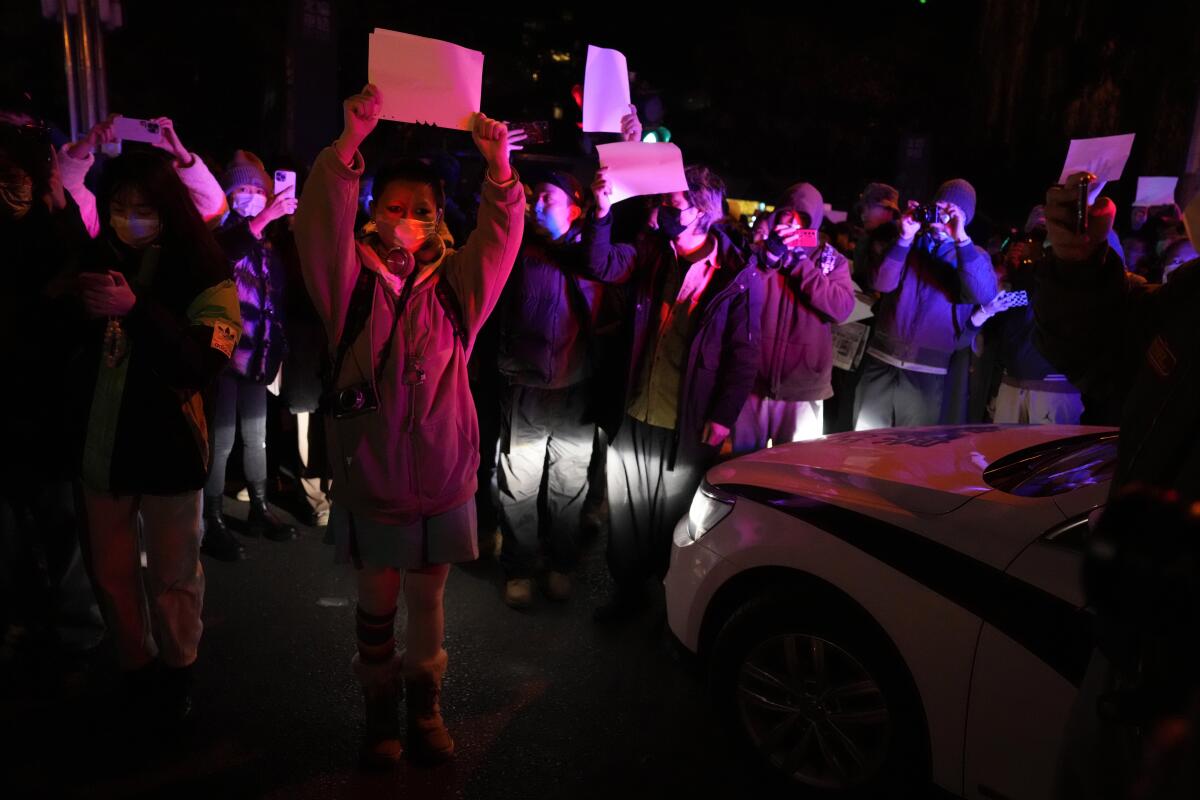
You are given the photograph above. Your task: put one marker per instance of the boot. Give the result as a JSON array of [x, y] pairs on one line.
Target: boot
[[262, 520], [219, 542], [382, 687], [428, 740], [175, 698]]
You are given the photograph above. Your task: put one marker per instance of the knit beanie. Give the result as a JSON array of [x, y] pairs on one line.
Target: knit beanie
[[959, 192], [246, 170]]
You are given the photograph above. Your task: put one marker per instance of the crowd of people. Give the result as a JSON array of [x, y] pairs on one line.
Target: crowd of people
[[506, 384]]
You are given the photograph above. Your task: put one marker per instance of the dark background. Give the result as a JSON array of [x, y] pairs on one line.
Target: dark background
[[835, 93]]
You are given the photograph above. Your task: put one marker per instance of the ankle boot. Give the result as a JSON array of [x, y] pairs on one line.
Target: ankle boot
[[219, 542], [262, 520], [428, 740], [382, 687]]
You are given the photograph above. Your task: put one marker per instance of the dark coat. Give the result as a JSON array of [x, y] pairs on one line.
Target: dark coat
[[548, 313], [724, 351], [1132, 346]]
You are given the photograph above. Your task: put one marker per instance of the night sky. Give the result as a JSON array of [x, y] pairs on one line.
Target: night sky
[[840, 94]]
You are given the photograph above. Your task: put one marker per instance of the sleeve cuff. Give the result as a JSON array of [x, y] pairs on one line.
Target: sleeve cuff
[[508, 184], [73, 170]]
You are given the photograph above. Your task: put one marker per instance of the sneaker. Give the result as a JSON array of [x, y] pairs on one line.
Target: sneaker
[[558, 586], [518, 593], [243, 495]]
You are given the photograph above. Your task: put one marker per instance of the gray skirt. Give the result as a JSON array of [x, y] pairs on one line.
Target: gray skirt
[[446, 538]]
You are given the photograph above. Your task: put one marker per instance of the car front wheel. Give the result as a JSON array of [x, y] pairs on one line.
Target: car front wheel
[[820, 698]]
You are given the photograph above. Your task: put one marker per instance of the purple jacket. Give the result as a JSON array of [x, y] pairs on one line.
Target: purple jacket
[[260, 277], [929, 291]]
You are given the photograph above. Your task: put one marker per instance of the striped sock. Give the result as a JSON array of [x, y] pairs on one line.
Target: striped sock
[[376, 636]]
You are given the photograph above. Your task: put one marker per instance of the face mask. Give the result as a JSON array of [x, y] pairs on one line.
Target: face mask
[[16, 198], [670, 222], [411, 234], [249, 205], [137, 232]]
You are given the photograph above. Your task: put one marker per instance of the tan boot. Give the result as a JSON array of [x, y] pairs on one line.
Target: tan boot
[[383, 689], [558, 586], [428, 740], [518, 592]]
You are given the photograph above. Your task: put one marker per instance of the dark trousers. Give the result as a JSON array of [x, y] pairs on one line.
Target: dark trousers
[[244, 404], [646, 499], [892, 397], [547, 440]]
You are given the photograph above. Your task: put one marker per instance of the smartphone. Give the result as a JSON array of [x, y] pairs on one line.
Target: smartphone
[[285, 182], [808, 238], [1020, 298], [537, 132], [136, 130]]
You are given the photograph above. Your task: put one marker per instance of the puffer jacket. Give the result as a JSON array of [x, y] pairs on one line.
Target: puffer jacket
[[260, 277]]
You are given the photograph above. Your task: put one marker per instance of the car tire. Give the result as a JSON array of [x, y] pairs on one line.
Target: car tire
[[816, 694]]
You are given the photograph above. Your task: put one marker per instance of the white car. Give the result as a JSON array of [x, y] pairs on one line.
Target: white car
[[896, 608]]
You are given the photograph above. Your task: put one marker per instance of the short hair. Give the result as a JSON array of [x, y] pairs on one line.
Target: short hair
[[410, 170], [706, 191]]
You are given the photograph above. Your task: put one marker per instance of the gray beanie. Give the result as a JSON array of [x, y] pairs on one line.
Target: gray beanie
[[959, 192], [246, 169]]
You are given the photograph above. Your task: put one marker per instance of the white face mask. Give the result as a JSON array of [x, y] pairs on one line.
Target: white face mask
[[249, 205], [136, 231], [412, 234]]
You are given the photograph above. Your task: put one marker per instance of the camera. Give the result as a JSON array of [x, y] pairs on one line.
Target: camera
[[355, 400], [928, 214]]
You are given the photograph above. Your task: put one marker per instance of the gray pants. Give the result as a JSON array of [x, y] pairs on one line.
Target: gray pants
[[646, 499], [892, 397], [547, 439]]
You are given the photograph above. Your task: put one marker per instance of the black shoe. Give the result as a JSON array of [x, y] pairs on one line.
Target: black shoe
[[174, 706], [262, 520], [219, 542], [624, 605]]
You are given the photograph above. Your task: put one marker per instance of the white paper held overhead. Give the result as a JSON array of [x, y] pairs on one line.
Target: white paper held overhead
[[642, 168], [1155, 191], [1103, 156], [425, 80], [605, 90]]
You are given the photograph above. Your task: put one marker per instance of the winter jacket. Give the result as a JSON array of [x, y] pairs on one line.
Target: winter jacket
[[261, 281], [548, 314], [723, 353], [1022, 361], [929, 292], [1133, 346], [417, 455], [207, 194], [146, 428], [806, 293]]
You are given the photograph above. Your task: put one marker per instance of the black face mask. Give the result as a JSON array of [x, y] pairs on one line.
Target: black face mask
[[669, 221]]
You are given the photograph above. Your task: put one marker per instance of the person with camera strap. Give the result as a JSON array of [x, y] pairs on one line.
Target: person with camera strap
[[402, 310]]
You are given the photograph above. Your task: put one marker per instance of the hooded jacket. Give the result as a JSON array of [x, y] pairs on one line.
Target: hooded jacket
[[805, 294], [417, 455]]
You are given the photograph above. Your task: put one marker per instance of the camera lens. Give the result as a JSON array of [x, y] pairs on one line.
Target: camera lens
[[350, 399]]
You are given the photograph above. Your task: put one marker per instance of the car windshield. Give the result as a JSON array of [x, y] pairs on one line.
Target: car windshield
[[1055, 467]]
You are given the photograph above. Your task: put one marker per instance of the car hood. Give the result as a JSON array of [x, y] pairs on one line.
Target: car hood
[[927, 471]]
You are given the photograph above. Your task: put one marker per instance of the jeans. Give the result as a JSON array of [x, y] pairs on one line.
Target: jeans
[[238, 402]]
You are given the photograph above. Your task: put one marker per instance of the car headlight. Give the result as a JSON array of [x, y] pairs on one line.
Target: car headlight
[[709, 506]]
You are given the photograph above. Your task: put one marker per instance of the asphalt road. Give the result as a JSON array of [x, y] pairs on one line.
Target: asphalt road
[[543, 704]]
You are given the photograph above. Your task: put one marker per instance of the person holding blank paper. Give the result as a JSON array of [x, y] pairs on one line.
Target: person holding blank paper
[[694, 320], [402, 310]]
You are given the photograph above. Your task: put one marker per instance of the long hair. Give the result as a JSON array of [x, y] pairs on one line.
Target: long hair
[[185, 235]]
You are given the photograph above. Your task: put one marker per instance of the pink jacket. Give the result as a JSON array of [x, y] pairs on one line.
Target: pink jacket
[[417, 455]]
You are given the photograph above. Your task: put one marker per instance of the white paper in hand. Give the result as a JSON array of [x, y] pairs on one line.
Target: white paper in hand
[[1155, 191], [605, 90], [641, 168], [1104, 157], [425, 80]]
